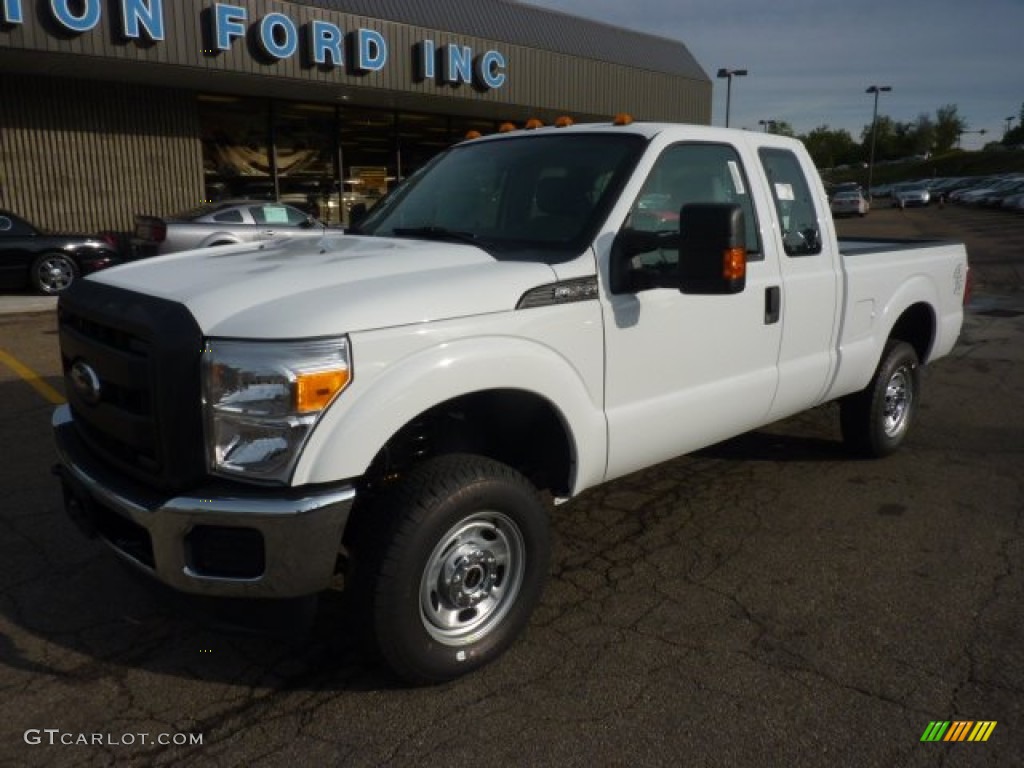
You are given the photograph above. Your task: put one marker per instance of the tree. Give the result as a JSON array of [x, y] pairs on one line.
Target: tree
[[780, 128], [830, 148], [886, 139], [1015, 136], [922, 137], [948, 127]]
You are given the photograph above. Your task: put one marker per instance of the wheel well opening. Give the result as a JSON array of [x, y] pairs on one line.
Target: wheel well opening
[[517, 428], [916, 326]]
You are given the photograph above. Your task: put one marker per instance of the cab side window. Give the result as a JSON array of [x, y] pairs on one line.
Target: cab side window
[[798, 218], [689, 173]]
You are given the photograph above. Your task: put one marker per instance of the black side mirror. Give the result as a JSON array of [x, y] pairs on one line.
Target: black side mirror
[[712, 249]]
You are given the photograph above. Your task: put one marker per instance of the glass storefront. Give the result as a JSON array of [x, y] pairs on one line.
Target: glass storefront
[[317, 157]]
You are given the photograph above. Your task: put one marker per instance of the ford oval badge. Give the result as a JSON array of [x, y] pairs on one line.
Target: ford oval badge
[[85, 382]]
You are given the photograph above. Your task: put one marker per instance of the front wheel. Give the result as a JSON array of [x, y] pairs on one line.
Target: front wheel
[[53, 273], [449, 566], [875, 422]]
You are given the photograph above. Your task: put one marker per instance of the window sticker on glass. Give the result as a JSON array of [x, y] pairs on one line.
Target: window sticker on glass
[[737, 179], [784, 192], [275, 214]]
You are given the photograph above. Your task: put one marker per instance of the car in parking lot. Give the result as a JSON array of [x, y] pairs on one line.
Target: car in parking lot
[[222, 223], [1013, 202], [849, 203], [49, 263], [908, 196], [994, 185], [995, 199]]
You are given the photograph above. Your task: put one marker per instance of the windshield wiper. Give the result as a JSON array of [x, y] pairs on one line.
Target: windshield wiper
[[437, 233]]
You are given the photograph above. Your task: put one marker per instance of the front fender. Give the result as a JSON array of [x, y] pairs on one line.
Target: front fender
[[380, 402]]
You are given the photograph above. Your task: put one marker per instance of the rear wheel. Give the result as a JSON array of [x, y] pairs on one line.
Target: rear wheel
[[875, 422], [53, 273], [449, 566]]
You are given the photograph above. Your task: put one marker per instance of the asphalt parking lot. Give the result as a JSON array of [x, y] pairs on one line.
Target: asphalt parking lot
[[769, 601]]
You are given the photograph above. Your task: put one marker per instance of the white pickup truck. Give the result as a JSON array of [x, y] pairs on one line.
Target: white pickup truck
[[530, 315]]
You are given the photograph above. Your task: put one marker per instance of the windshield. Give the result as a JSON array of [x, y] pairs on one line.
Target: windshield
[[532, 197]]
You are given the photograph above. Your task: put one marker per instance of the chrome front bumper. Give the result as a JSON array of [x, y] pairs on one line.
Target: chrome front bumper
[[224, 540]]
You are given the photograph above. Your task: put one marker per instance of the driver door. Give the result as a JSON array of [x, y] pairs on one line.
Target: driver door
[[685, 371]]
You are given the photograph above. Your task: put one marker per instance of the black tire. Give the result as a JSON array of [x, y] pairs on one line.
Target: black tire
[[449, 565], [875, 421], [53, 273]]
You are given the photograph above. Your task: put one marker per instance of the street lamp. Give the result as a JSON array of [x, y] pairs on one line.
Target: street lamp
[[769, 125], [875, 89], [1009, 121], [729, 74]]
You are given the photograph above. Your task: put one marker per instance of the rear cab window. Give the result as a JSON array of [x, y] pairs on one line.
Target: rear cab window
[[794, 203]]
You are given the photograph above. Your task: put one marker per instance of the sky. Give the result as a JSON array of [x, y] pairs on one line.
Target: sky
[[810, 61]]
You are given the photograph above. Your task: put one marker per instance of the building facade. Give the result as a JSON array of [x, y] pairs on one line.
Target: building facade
[[110, 108]]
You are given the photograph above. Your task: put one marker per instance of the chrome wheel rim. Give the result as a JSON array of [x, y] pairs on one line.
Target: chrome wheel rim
[[899, 397], [55, 274], [472, 578]]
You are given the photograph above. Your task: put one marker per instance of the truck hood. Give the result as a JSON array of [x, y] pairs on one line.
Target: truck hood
[[335, 284]]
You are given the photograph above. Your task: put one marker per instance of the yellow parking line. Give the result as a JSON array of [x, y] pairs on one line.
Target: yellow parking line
[[31, 378]]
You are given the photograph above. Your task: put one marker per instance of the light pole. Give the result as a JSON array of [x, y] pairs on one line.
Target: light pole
[[875, 89], [729, 74], [1009, 121], [769, 125]]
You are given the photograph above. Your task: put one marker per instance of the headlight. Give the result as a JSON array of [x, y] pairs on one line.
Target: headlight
[[262, 399]]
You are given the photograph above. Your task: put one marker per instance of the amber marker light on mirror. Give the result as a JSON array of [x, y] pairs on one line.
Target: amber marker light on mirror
[[314, 391], [734, 263]]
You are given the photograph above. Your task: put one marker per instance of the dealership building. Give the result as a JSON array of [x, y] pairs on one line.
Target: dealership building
[[110, 108]]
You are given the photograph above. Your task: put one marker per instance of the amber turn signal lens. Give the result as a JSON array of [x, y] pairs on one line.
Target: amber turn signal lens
[[314, 391], [734, 264]]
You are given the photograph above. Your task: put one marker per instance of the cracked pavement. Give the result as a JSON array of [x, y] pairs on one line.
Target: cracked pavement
[[767, 601]]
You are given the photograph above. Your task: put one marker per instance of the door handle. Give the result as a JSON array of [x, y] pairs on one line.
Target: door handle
[[772, 304]]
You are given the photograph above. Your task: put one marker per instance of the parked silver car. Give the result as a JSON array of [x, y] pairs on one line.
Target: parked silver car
[[222, 223], [905, 197], [849, 202]]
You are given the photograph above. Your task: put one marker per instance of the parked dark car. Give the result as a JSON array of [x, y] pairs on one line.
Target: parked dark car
[[48, 263]]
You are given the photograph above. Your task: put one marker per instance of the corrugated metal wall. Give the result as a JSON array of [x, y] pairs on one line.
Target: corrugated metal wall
[[78, 155]]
